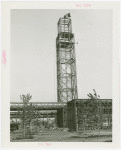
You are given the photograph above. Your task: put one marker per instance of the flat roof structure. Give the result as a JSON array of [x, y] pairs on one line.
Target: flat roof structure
[[14, 106]]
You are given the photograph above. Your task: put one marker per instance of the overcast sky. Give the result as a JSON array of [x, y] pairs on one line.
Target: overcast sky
[[33, 53]]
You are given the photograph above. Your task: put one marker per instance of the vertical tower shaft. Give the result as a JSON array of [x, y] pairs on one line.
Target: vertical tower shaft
[[66, 62]]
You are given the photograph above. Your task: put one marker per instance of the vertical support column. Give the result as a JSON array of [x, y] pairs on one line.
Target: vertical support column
[[37, 122], [75, 113], [108, 113], [56, 119], [43, 119], [65, 117], [71, 116], [16, 117], [47, 119], [24, 119], [60, 118]]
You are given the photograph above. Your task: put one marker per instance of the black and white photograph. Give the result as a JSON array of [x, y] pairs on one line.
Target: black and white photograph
[[61, 75]]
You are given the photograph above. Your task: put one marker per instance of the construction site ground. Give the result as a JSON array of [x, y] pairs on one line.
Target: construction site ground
[[65, 136]]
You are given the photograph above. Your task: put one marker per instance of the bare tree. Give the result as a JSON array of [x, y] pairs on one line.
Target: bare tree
[[89, 111], [26, 110], [26, 98], [98, 113], [93, 96]]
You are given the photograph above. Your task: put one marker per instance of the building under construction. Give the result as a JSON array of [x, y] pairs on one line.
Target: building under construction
[[66, 61], [68, 107]]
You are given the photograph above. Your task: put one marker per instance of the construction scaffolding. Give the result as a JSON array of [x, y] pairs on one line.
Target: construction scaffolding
[[66, 62]]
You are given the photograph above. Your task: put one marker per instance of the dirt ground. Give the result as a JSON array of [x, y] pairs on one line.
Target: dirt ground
[[65, 136]]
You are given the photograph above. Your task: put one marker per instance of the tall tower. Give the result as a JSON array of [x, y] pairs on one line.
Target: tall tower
[[66, 61]]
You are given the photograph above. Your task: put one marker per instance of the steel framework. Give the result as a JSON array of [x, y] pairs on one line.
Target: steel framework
[[66, 62]]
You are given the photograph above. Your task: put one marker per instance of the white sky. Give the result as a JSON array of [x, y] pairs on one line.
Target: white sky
[[33, 53]]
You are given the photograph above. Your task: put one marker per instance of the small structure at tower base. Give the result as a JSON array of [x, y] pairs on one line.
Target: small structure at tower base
[[89, 114]]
